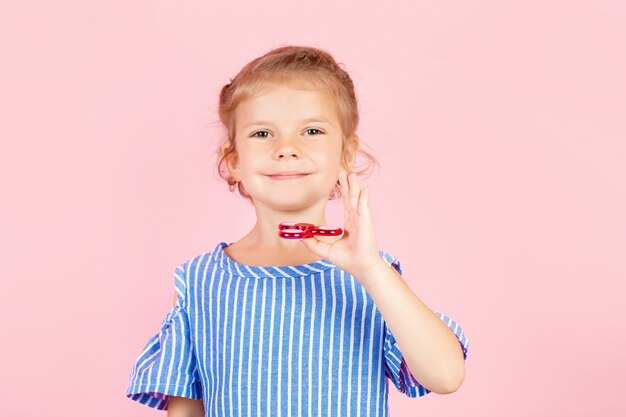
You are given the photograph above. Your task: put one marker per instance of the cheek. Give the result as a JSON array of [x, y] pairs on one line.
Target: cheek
[[330, 167], [247, 160], [324, 160]]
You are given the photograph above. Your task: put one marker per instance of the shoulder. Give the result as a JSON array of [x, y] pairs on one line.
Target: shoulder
[[194, 264], [190, 267], [184, 274]]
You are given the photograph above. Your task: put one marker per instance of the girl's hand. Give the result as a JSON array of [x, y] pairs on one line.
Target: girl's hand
[[356, 251]]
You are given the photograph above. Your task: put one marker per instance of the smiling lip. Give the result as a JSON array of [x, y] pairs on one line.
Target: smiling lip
[[287, 175]]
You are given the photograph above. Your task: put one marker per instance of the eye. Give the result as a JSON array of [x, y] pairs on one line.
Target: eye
[[254, 135], [315, 130]]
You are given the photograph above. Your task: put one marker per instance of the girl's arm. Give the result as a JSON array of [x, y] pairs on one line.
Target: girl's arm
[[431, 350], [184, 407]]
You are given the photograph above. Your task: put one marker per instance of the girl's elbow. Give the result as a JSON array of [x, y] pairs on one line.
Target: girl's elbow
[[184, 407], [454, 383]]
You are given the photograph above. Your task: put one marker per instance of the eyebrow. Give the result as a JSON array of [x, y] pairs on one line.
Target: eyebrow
[[309, 120]]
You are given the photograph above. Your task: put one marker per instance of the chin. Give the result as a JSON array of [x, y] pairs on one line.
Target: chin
[[291, 203]]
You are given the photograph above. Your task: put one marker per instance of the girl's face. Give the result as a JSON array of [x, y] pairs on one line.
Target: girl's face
[[288, 130]]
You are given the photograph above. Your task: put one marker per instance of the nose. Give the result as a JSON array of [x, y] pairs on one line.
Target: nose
[[286, 149]]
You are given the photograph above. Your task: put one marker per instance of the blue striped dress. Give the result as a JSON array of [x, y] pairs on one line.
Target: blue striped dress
[[274, 341]]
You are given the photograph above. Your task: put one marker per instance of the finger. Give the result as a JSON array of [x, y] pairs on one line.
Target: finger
[[343, 186], [364, 201], [355, 190], [317, 247]]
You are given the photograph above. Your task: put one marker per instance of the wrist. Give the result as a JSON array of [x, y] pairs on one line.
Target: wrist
[[376, 272]]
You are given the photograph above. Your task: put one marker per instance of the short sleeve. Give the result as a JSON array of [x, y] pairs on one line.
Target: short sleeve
[[167, 364], [396, 368]]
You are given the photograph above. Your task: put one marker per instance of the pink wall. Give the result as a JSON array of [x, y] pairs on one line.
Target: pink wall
[[500, 131]]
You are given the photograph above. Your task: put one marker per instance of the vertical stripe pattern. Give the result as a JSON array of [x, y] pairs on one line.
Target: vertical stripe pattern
[[287, 341]]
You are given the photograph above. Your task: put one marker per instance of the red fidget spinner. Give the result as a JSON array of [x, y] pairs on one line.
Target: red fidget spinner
[[305, 230]]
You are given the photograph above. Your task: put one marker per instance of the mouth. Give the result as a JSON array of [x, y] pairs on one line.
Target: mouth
[[288, 176]]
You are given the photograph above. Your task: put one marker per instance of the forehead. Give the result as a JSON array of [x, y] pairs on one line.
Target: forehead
[[286, 104]]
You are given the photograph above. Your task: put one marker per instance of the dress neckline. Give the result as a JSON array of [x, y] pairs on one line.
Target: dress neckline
[[289, 271]]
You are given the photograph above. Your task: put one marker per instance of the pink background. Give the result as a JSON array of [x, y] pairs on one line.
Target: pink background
[[501, 134]]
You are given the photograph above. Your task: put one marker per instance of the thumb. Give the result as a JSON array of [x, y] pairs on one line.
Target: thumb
[[316, 246]]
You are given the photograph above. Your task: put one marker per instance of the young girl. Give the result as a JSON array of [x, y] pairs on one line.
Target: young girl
[[270, 326]]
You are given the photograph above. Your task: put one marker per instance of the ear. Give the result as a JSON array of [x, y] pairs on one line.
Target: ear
[[351, 146], [232, 161]]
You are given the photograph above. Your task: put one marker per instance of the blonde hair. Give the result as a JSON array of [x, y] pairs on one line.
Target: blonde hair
[[291, 65]]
